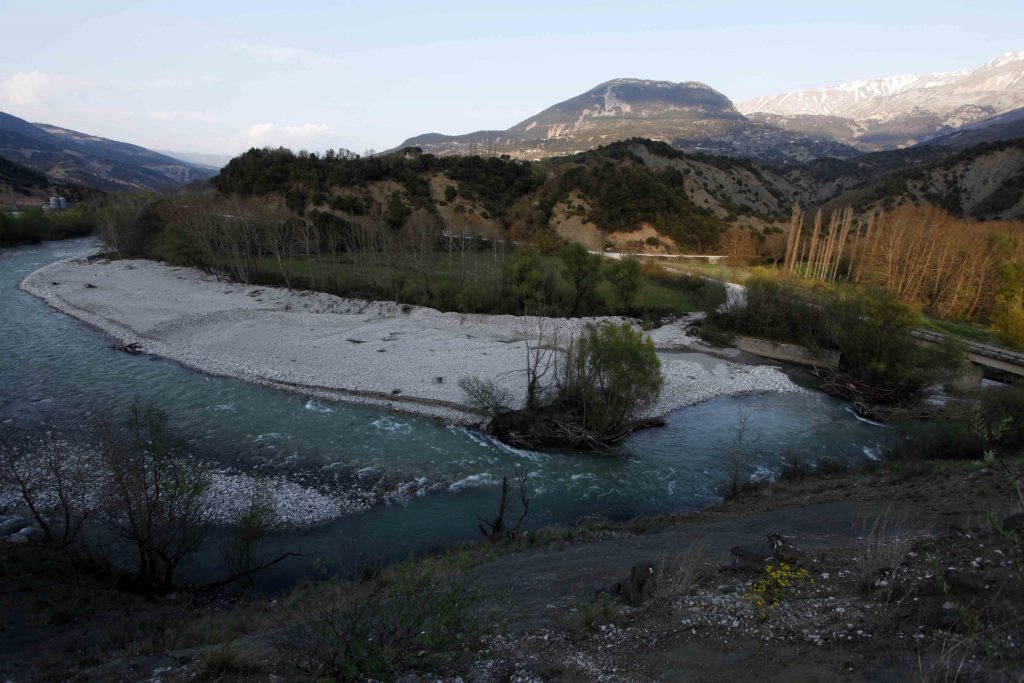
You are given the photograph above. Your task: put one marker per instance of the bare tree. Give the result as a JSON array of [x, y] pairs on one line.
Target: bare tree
[[497, 529], [155, 495], [737, 452], [54, 480], [244, 554]]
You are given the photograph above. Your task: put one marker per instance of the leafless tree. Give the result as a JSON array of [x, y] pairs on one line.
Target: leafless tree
[[53, 479], [154, 499], [497, 529]]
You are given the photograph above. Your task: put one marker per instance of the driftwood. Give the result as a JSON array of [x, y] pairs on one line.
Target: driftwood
[[535, 429], [871, 402], [133, 348]]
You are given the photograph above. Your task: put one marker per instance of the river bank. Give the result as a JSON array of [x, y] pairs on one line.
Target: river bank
[[899, 562], [398, 357]]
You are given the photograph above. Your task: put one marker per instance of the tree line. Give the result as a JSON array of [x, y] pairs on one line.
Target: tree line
[[951, 267]]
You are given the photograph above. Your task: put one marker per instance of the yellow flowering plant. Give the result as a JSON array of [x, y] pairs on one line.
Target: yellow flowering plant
[[767, 593]]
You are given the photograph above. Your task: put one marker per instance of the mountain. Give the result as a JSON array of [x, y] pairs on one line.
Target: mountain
[[1008, 126], [901, 110], [985, 181], [21, 179], [690, 116], [210, 161], [69, 156]]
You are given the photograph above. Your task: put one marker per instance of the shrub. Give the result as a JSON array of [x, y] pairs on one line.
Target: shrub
[[585, 395], [607, 376], [1002, 404], [624, 275], [767, 593], [416, 615], [775, 310]]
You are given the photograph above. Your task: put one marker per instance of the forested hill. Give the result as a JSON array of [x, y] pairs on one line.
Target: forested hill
[[687, 200], [985, 182]]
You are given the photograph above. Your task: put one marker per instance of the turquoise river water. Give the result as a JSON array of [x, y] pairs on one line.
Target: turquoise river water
[[55, 368]]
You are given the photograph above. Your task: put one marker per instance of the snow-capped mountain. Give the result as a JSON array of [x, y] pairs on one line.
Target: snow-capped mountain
[[998, 84], [898, 111], [691, 116]]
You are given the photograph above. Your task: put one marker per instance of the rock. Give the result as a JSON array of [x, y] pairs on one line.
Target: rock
[[11, 524], [638, 588], [1014, 522], [783, 551], [640, 585], [17, 538], [32, 533]]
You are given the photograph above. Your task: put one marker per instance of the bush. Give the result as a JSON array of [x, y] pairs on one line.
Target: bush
[[775, 310], [416, 616], [624, 275], [154, 500], [950, 437], [1005, 403], [609, 375], [871, 330], [587, 395], [1008, 321]]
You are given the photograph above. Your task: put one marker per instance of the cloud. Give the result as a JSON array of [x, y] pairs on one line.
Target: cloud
[[260, 53], [180, 83], [307, 130], [270, 133], [179, 116], [26, 88], [257, 131]]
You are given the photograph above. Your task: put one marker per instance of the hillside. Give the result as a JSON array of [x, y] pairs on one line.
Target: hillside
[[20, 179], [985, 181], [69, 156], [634, 195], [627, 189], [885, 113], [691, 116]]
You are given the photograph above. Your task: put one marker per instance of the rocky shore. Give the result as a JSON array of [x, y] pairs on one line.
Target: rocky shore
[[385, 354]]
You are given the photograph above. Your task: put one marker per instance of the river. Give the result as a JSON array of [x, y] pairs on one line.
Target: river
[[55, 368]]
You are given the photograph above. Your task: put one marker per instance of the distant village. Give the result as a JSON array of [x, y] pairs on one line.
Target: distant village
[[17, 205]]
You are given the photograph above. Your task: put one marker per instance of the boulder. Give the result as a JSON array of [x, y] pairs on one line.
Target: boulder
[[10, 524], [1014, 522], [784, 551], [638, 588]]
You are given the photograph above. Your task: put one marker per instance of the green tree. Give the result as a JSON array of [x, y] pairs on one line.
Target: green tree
[[583, 270], [398, 211], [607, 376], [524, 278], [625, 278], [871, 330]]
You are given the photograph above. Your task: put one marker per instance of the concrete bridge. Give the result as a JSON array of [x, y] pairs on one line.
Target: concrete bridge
[[995, 362]]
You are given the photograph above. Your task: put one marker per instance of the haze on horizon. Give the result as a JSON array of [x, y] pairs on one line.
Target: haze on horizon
[[222, 77]]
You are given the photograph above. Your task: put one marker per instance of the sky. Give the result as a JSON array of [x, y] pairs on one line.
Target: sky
[[220, 76]]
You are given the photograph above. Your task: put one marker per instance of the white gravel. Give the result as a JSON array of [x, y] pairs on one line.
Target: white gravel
[[399, 357]]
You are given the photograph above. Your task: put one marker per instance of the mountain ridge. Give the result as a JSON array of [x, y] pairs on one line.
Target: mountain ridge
[[898, 110], [67, 155], [690, 115]]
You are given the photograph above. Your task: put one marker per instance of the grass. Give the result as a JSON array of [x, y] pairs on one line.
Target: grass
[[591, 613], [220, 659], [964, 330], [886, 542]]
